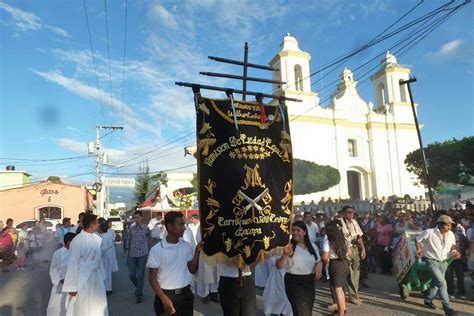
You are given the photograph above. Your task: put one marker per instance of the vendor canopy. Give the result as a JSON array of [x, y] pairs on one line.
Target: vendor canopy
[[245, 171]]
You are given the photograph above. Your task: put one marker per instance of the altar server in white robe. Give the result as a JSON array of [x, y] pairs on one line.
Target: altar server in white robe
[[57, 272], [205, 283], [85, 273], [109, 257], [274, 295]]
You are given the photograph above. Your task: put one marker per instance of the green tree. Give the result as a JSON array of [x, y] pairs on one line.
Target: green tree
[[311, 177], [54, 179], [451, 161], [141, 182]]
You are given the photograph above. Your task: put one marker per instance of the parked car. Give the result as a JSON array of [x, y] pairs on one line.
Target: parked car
[[116, 223], [50, 224]]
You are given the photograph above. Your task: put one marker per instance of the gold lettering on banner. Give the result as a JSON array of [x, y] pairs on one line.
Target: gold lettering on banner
[[244, 147], [252, 177]]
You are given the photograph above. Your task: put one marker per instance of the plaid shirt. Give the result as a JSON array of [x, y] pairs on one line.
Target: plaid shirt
[[138, 241]]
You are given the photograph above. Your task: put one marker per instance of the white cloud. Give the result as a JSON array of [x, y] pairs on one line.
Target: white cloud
[[27, 21], [161, 15], [83, 90], [455, 50]]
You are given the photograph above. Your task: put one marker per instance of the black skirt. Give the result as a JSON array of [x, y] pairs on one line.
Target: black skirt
[[300, 292], [338, 271]]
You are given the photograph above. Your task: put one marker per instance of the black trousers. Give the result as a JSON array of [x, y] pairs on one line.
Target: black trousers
[[183, 303], [300, 292], [385, 259], [456, 267], [238, 300]]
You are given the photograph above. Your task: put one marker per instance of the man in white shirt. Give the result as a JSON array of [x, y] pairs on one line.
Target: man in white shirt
[[313, 229], [353, 235], [435, 244], [171, 263]]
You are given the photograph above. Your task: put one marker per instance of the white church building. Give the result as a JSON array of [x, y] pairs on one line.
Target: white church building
[[366, 142]]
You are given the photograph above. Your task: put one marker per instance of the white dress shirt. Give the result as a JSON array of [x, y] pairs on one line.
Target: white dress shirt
[[434, 247], [171, 260]]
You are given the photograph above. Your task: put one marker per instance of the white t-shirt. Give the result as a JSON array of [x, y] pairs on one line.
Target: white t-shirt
[[302, 262], [327, 248], [171, 260], [433, 245], [232, 271], [313, 230]]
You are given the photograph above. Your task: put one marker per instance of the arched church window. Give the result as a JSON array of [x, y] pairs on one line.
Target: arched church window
[[381, 94], [352, 147], [298, 78]]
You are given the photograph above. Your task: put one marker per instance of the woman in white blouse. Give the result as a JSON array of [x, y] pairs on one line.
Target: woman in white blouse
[[303, 263]]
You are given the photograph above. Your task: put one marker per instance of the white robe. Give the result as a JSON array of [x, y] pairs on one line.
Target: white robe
[[274, 295], [57, 272], [109, 257], [261, 274], [205, 280], [85, 275]]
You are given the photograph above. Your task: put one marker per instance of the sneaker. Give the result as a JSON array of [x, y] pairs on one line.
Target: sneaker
[[451, 296], [332, 307], [430, 305], [206, 300], [463, 297], [450, 312], [139, 300]]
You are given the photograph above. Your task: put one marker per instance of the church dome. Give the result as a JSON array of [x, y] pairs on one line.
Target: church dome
[[289, 44], [389, 59]]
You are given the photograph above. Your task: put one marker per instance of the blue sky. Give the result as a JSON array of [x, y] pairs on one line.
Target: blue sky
[[49, 98]]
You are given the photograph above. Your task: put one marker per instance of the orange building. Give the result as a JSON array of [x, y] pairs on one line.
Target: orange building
[[44, 200]]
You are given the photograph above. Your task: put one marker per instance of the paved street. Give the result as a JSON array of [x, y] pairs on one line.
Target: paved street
[[27, 293]]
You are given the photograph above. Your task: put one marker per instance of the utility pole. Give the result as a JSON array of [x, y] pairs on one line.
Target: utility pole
[[99, 161], [425, 166]]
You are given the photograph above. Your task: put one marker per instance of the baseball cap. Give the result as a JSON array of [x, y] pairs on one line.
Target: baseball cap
[[445, 219]]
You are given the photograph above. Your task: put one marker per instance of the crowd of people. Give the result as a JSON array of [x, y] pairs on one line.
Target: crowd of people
[[341, 250]]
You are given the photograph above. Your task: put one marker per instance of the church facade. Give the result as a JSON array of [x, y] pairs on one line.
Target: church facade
[[366, 142]]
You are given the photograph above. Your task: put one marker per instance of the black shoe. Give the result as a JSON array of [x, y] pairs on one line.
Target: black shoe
[[214, 297], [430, 305], [109, 292], [139, 300], [206, 300], [450, 312], [365, 285]]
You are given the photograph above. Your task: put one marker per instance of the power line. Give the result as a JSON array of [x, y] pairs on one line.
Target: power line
[[424, 33], [376, 40], [93, 59], [108, 48], [151, 172], [124, 54], [34, 159], [157, 148]]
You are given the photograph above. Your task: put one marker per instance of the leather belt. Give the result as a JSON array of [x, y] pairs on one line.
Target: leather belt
[[177, 291]]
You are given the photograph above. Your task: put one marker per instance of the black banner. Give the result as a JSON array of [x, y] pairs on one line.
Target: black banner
[[245, 174]]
